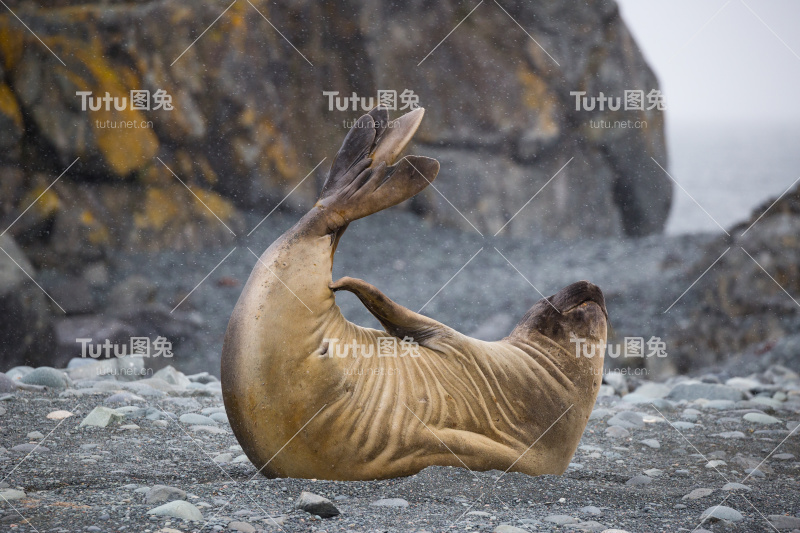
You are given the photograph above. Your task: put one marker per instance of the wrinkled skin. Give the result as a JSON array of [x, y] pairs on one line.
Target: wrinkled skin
[[520, 403]]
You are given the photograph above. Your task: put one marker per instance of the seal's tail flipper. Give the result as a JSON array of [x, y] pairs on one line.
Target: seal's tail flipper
[[396, 319], [361, 181]]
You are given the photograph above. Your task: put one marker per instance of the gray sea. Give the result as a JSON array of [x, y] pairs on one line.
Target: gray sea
[[728, 169]]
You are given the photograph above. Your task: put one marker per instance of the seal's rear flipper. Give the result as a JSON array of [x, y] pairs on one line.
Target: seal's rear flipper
[[361, 182], [396, 319]]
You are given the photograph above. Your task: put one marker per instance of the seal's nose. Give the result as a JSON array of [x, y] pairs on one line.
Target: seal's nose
[[574, 295]]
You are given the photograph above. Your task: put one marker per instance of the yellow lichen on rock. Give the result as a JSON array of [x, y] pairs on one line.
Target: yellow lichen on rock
[[46, 206], [12, 42], [537, 96], [129, 146], [278, 153], [159, 208], [9, 106], [96, 232], [212, 204]]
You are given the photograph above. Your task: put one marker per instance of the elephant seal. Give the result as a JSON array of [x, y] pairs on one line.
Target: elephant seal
[[302, 405]]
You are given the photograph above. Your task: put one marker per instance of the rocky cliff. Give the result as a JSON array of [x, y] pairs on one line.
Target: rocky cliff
[[249, 117], [746, 300]]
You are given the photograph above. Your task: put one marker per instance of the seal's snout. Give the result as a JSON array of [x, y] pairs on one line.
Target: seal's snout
[[579, 308], [577, 294]]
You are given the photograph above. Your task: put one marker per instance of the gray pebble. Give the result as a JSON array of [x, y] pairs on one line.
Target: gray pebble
[[640, 480], [708, 391], [163, 493], [222, 418], [505, 528], [390, 502], [780, 521], [29, 447], [729, 435], [561, 519], [123, 398], [617, 432], [735, 486], [12, 494], [47, 377], [178, 509], [627, 420], [241, 527], [722, 512], [696, 494], [7, 384], [101, 417], [759, 418], [194, 419], [316, 505]]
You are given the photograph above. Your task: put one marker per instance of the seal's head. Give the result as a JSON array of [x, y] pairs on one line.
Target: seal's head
[[575, 318]]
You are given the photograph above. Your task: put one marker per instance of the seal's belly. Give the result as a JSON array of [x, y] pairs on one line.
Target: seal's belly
[[389, 408]]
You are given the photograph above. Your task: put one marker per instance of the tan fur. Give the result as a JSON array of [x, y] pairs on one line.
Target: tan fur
[[486, 405]]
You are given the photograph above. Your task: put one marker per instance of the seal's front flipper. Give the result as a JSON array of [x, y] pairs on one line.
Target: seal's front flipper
[[396, 319], [361, 181]]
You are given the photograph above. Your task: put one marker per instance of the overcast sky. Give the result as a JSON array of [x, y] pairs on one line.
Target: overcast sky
[[716, 60]]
